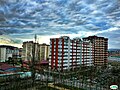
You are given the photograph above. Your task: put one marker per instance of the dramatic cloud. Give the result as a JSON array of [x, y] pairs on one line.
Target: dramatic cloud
[[22, 19]]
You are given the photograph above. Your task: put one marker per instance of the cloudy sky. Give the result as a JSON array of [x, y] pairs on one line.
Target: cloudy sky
[[20, 20]]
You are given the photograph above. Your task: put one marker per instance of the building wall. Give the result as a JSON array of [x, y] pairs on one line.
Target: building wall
[[76, 45], [48, 52], [2, 54], [27, 50], [87, 53], [44, 51]]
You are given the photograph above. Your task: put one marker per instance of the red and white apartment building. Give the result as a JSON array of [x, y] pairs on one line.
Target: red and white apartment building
[[67, 54]]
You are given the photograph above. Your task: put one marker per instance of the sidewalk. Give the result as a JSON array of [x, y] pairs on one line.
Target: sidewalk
[[53, 86]]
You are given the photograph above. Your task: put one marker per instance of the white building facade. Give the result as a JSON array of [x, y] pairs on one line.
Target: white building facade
[[87, 52], [7, 51]]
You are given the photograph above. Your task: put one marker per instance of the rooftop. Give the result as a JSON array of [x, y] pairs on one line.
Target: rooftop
[[91, 37], [7, 46]]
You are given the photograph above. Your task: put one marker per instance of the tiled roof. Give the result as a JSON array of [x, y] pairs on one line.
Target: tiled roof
[[44, 62], [5, 66]]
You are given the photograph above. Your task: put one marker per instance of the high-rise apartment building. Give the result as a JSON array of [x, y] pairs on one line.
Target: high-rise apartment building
[[99, 49], [66, 53], [28, 50], [60, 53], [44, 51]]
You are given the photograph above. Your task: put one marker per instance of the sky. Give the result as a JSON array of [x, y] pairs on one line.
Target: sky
[[20, 20]]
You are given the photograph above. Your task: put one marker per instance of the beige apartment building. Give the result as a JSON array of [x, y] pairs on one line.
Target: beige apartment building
[[44, 51], [27, 50], [41, 51]]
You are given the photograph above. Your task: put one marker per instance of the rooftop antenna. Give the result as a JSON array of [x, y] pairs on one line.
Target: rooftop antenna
[[35, 38]]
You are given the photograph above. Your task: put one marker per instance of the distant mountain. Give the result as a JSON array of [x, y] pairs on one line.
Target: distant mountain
[[113, 49]]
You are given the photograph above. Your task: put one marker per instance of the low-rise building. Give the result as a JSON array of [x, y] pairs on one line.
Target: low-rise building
[[7, 52]]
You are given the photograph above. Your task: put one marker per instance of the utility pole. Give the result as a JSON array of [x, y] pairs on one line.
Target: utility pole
[[33, 60]]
